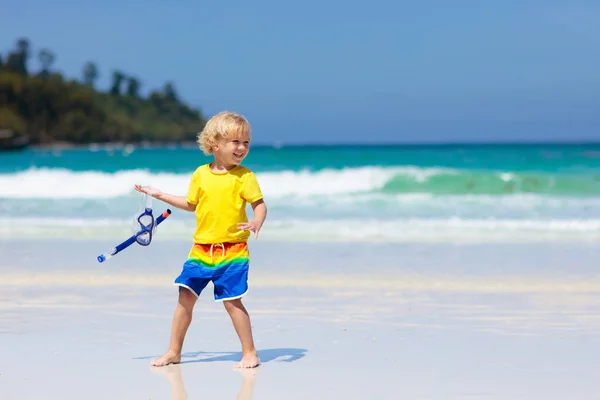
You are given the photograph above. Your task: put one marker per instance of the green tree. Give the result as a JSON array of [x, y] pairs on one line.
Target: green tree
[[90, 73], [11, 120], [46, 58], [14, 63], [23, 47], [17, 59], [133, 87], [170, 93], [23, 52], [118, 78]]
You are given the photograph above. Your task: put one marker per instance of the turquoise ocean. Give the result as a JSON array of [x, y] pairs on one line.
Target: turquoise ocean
[[384, 193]]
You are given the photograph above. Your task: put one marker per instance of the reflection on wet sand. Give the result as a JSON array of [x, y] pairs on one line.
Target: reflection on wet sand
[[173, 374], [248, 381]]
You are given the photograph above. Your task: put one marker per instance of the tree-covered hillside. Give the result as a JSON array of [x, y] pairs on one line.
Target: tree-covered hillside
[[50, 108]]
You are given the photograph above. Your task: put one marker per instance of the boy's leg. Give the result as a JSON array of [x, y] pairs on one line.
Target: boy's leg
[[241, 323], [181, 322]]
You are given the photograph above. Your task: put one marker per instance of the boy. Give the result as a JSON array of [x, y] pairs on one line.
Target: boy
[[218, 193]]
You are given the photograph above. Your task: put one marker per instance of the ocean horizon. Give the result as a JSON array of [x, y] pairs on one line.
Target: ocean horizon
[[282, 143]]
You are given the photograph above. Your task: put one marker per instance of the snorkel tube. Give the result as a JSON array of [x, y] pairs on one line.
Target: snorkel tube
[[143, 237]]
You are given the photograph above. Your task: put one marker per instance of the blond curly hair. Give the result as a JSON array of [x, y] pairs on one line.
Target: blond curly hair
[[224, 125]]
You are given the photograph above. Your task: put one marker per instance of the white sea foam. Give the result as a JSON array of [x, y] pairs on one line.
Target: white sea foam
[[46, 183]]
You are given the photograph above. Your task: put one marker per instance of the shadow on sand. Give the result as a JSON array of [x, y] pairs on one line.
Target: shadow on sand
[[267, 355]]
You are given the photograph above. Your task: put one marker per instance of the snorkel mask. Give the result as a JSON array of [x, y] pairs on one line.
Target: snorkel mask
[[144, 227], [146, 222]]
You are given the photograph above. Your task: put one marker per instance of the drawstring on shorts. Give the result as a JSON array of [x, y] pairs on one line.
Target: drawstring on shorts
[[221, 245]]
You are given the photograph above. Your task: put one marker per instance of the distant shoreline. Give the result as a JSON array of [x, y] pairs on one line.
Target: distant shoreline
[[190, 144], [117, 145]]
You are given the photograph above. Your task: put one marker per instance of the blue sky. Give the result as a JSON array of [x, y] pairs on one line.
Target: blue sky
[[333, 71]]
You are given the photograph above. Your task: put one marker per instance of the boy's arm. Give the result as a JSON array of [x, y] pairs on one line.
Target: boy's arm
[[175, 201], [260, 212]]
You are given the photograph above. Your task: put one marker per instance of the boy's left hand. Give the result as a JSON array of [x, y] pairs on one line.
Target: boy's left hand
[[251, 226]]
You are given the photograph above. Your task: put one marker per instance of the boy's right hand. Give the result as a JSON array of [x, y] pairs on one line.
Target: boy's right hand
[[149, 190]]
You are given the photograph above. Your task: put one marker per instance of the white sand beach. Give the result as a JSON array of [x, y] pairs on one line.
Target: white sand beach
[[390, 321]]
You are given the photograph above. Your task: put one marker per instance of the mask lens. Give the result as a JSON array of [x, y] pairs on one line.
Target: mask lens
[[146, 221], [143, 238]]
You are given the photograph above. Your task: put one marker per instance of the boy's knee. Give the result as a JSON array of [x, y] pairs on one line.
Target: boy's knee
[[231, 304], [186, 296]]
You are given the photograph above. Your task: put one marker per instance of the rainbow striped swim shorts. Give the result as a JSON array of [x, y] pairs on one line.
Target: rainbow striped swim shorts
[[223, 264]]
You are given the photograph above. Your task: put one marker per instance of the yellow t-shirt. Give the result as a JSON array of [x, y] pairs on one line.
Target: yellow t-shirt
[[220, 199]]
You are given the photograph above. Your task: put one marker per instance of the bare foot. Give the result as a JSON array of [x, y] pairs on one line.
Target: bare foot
[[249, 360], [170, 357]]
